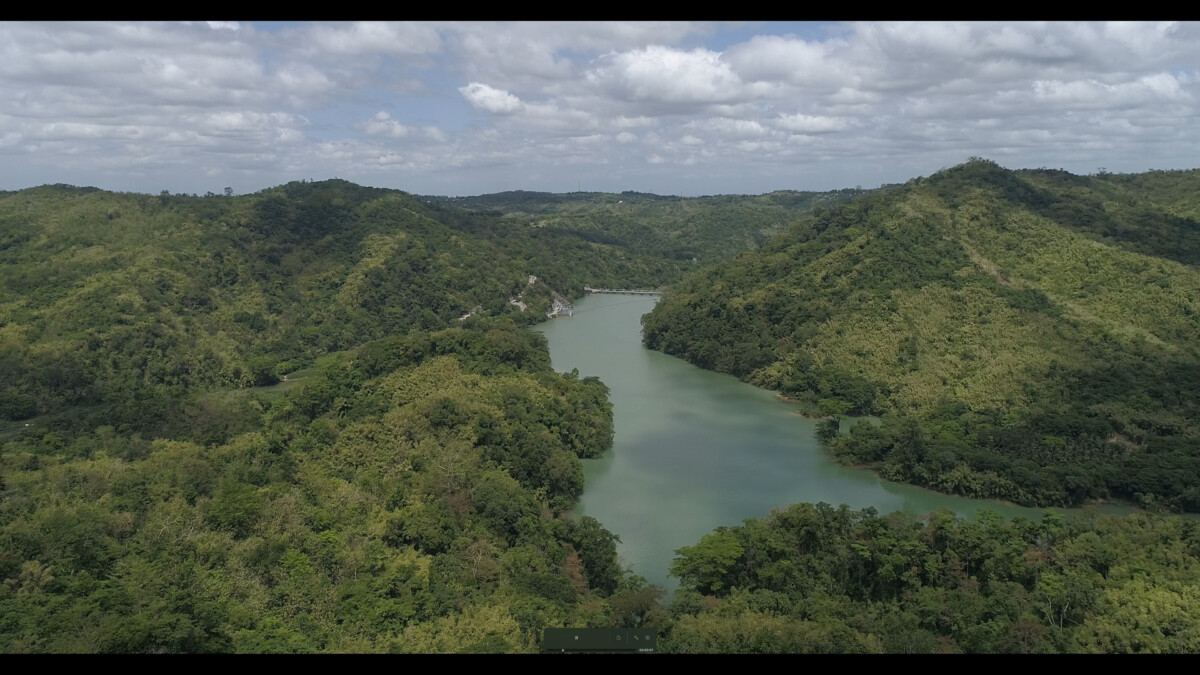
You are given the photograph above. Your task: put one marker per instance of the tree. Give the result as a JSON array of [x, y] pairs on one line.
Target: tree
[[828, 429], [235, 507], [706, 565], [637, 607], [598, 550]]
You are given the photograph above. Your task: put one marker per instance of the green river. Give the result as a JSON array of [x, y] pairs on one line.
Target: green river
[[694, 449]]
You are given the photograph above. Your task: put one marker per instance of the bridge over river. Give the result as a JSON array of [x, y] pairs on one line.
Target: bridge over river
[[562, 307]]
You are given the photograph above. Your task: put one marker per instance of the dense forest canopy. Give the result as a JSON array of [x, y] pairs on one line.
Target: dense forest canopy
[[409, 498], [1026, 335], [312, 419], [308, 419], [124, 305], [702, 229], [814, 579]]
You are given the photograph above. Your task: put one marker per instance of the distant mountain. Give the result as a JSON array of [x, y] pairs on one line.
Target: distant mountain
[[703, 229], [125, 304], [1027, 335]]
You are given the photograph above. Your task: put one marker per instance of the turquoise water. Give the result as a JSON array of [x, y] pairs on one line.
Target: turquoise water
[[694, 449]]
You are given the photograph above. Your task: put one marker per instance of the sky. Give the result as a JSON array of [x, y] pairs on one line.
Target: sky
[[687, 108]]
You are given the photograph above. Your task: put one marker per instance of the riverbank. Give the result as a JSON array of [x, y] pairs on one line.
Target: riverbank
[[694, 450], [875, 469]]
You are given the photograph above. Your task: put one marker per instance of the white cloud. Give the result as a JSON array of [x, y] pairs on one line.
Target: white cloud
[[623, 122], [780, 59], [138, 102], [490, 99], [367, 37], [1157, 88], [302, 83], [539, 53], [729, 127], [236, 122], [666, 75]]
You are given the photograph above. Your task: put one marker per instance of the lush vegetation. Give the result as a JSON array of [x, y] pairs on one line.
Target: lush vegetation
[[262, 423], [303, 420], [119, 308], [311, 419], [814, 579], [694, 230], [1026, 335], [409, 498]]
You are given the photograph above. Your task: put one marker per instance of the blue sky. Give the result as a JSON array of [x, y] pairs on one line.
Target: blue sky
[[669, 107]]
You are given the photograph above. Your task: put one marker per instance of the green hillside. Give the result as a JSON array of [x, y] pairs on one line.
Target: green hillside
[[125, 305], [259, 424], [410, 498], [308, 419], [263, 424], [700, 229], [1027, 335]]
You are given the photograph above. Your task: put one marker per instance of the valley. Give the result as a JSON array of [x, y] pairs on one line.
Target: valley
[[325, 418]]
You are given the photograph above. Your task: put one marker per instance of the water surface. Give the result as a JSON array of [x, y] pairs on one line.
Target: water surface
[[694, 449]]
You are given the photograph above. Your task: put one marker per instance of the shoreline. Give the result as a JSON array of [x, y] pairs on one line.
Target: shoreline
[[875, 471], [803, 409], [895, 496], [1090, 504]]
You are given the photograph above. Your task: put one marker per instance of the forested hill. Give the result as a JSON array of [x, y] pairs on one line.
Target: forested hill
[[124, 305], [258, 424], [267, 422], [703, 229], [1026, 335], [261, 424], [410, 497]]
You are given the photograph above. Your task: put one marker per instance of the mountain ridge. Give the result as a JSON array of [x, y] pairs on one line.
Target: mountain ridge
[[953, 291]]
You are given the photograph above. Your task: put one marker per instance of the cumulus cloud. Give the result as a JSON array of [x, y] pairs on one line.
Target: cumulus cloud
[[663, 74], [547, 53], [1159, 87], [729, 127], [394, 102], [774, 58], [490, 99]]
